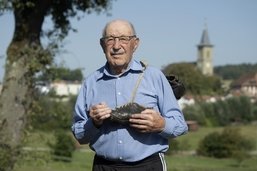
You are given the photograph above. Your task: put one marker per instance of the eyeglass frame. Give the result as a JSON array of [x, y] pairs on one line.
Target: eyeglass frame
[[105, 39]]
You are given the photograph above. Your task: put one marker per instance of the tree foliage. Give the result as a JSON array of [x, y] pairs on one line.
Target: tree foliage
[[196, 83], [232, 72], [60, 11]]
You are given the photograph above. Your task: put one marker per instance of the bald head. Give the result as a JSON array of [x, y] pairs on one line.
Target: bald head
[[118, 23]]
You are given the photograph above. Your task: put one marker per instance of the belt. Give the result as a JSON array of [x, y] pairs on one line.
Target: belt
[[102, 161]]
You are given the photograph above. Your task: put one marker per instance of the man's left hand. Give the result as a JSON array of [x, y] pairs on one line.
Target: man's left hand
[[147, 121]]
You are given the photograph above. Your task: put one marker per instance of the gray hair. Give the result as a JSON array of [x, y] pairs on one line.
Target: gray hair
[[125, 21]]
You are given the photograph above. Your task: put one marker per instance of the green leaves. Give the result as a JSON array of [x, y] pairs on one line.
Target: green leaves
[[195, 82]]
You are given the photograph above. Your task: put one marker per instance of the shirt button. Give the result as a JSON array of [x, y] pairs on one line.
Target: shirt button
[[120, 158], [119, 93], [120, 142]]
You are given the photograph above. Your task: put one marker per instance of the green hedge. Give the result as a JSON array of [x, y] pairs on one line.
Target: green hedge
[[229, 143], [223, 112]]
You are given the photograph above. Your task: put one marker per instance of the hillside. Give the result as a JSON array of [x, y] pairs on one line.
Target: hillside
[[233, 72]]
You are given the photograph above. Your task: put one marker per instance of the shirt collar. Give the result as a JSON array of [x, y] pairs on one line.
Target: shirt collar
[[134, 66]]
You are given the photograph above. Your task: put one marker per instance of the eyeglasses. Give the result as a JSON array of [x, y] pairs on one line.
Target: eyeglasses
[[110, 40]]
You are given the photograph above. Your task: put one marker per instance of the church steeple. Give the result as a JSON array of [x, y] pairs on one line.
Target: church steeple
[[205, 48], [205, 41]]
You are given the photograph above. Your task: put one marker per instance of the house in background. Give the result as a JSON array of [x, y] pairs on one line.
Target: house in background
[[60, 87], [65, 88], [245, 85]]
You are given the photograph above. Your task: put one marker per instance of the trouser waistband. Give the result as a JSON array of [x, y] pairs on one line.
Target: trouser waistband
[[102, 161]]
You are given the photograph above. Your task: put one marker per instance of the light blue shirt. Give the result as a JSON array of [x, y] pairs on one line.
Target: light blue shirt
[[122, 142]]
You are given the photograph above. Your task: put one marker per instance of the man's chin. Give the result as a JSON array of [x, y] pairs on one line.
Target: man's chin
[[118, 61], [119, 64]]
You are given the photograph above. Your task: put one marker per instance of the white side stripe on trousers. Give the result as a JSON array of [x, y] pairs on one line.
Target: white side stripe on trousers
[[164, 166]]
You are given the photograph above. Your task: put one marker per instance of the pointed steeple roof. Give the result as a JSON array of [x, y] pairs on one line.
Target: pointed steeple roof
[[205, 41]]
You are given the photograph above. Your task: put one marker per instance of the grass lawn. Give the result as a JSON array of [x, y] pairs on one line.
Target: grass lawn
[[197, 163], [82, 161], [191, 139]]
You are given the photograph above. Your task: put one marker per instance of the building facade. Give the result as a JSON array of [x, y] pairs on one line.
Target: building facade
[[245, 85]]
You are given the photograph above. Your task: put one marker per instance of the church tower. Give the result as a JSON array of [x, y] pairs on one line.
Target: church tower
[[205, 49]]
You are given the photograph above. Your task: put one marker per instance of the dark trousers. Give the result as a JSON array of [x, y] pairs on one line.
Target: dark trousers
[[155, 162]]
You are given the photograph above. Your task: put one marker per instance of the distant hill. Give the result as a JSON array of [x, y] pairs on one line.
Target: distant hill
[[233, 72]]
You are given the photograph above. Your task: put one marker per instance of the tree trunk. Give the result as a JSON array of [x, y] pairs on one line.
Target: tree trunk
[[15, 100], [25, 57]]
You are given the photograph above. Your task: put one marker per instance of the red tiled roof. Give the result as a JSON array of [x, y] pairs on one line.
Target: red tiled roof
[[249, 79]]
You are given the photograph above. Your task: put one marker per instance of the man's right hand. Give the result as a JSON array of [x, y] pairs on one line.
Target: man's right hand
[[99, 113]]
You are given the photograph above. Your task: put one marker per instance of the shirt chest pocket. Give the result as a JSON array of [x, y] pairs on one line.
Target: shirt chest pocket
[[147, 98]]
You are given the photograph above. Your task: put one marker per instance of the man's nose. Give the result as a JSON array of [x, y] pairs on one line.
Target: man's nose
[[116, 44]]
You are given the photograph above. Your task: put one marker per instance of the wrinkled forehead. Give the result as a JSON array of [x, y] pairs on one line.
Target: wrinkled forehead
[[119, 28]]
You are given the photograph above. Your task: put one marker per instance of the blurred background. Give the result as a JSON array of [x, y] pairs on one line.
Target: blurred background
[[169, 32], [209, 45]]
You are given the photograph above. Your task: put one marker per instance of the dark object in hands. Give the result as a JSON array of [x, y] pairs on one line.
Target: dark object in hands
[[122, 114], [177, 86]]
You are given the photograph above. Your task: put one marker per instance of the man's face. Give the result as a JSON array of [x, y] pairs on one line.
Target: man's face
[[119, 45]]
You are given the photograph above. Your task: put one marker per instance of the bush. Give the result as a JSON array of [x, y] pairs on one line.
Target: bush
[[176, 146], [51, 113], [5, 156], [229, 143], [63, 147], [222, 113], [173, 146], [196, 113], [254, 110]]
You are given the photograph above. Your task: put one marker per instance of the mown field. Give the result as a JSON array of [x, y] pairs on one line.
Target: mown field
[[40, 159]]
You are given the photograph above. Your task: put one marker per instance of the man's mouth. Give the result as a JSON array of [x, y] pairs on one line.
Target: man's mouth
[[116, 54]]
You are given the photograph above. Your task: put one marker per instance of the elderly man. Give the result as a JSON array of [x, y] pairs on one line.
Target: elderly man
[[139, 142]]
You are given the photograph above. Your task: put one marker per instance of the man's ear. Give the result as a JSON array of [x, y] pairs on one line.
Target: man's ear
[[102, 45], [136, 44]]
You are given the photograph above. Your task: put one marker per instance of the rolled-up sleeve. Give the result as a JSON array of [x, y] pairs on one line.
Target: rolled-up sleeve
[[82, 127], [174, 126]]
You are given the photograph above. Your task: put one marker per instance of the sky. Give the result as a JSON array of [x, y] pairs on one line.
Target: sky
[[169, 32]]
